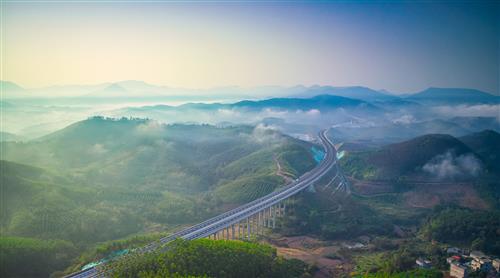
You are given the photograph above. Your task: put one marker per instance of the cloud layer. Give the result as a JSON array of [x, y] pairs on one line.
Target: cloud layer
[[450, 166]]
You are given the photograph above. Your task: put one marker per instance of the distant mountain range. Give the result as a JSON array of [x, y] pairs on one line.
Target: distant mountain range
[[10, 86], [320, 103], [6, 136], [10, 89], [456, 126], [454, 96], [137, 89], [357, 92], [130, 88]]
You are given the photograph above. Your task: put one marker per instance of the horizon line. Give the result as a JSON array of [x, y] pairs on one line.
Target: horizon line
[[382, 90]]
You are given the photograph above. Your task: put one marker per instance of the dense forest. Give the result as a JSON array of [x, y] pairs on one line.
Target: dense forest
[[30, 257], [478, 230], [211, 258], [137, 179], [412, 212], [407, 160], [133, 176], [329, 217]]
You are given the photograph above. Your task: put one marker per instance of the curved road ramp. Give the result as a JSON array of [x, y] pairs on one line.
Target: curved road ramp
[[247, 219]]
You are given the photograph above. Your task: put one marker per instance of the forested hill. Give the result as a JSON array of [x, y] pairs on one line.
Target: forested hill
[[487, 145], [104, 179], [145, 154], [405, 158], [212, 258]]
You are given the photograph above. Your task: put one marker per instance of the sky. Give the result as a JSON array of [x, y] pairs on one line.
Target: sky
[[398, 46]]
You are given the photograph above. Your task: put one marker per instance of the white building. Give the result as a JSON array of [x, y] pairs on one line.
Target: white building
[[458, 271]]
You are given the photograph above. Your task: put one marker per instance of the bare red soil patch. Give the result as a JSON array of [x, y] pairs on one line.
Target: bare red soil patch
[[371, 187], [428, 195], [313, 252]]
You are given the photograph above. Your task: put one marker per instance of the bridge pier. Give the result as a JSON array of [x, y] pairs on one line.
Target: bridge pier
[[256, 223], [248, 228], [274, 217], [263, 222], [253, 224], [259, 223], [270, 217], [247, 213]]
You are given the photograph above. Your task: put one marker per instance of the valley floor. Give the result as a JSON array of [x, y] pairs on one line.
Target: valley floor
[[314, 252]]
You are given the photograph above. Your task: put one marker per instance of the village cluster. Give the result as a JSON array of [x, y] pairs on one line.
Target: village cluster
[[463, 263]]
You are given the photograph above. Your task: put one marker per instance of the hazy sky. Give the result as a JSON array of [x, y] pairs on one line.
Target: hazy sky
[[400, 47]]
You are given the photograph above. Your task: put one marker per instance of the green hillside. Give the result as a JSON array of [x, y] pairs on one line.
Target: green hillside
[[29, 257], [477, 229], [402, 159], [143, 154], [212, 258], [487, 145], [36, 203], [106, 179]]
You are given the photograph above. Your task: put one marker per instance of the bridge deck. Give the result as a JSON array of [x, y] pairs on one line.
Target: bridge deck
[[225, 220]]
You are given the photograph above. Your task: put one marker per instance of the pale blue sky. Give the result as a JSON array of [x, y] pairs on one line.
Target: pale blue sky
[[398, 46]]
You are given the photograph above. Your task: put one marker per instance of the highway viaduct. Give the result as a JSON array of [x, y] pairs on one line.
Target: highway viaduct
[[248, 219]]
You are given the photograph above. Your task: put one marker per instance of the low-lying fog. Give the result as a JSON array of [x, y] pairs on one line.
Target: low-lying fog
[[376, 121]]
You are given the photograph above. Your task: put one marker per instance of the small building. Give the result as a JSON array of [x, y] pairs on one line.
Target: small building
[[496, 264], [356, 245], [458, 270], [453, 250], [423, 263], [452, 259], [476, 254], [481, 264]]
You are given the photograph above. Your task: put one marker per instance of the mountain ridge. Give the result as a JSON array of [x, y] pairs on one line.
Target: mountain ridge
[[138, 88], [454, 96]]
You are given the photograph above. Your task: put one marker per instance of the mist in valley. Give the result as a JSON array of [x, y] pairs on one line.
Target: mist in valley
[[383, 120]]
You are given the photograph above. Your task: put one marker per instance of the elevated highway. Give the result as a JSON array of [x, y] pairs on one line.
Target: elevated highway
[[252, 217]]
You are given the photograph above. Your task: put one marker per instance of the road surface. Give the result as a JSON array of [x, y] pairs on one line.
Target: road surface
[[234, 216]]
